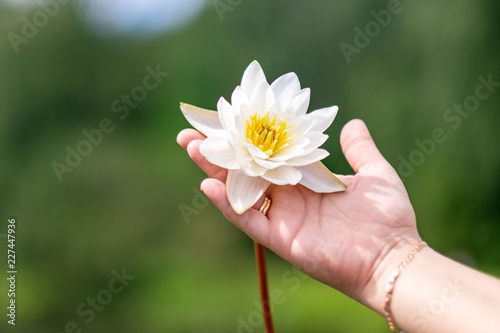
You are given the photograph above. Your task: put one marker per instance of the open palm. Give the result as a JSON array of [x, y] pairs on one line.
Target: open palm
[[340, 239]]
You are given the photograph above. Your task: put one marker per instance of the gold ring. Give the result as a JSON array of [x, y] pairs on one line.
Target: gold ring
[[265, 206]]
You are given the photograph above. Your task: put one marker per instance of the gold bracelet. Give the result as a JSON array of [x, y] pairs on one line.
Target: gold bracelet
[[392, 281]]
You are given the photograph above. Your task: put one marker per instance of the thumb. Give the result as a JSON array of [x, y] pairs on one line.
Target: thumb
[[359, 148]]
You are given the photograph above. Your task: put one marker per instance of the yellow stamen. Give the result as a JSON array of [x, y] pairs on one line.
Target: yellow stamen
[[269, 135]]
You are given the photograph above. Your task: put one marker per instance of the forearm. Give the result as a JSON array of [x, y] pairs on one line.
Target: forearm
[[436, 294]]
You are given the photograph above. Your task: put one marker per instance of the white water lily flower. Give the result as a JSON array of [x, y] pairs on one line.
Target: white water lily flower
[[265, 136]]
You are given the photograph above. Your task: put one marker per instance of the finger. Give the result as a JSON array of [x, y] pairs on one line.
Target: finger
[[187, 135], [212, 171], [251, 222], [359, 148], [347, 180]]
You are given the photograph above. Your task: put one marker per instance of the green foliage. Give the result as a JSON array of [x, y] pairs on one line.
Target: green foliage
[[121, 205]]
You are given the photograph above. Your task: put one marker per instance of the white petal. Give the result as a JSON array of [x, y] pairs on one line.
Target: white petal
[[318, 178], [249, 166], [239, 97], [300, 102], [302, 144], [217, 150], [316, 139], [243, 191], [302, 124], [205, 121], [231, 122], [252, 76], [281, 107], [259, 97], [256, 152], [262, 159], [245, 112], [283, 175], [268, 164], [226, 115], [269, 100], [323, 118], [314, 156], [286, 86], [295, 148]]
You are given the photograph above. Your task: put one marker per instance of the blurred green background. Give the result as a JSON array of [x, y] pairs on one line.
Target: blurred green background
[[119, 210]]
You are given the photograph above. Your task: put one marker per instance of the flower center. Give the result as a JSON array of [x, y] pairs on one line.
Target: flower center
[[266, 135]]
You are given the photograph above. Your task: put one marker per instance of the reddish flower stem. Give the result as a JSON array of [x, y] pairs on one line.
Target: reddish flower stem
[[260, 256]]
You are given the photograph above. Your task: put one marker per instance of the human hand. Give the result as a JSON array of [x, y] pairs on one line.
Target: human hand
[[349, 240]]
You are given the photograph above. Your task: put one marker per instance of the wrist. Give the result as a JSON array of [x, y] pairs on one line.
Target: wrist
[[374, 293]]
